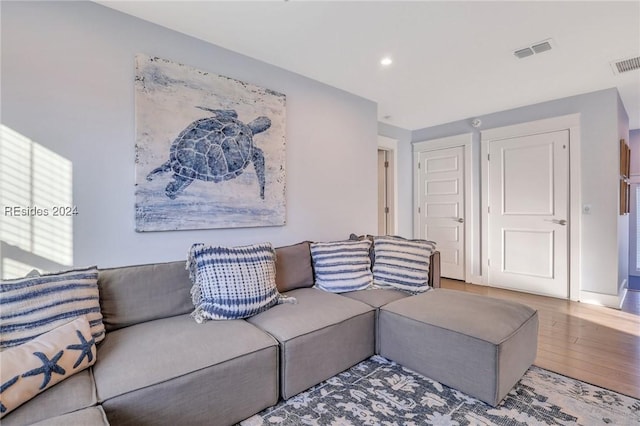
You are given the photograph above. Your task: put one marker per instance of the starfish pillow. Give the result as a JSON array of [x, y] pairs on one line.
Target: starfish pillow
[[35, 366]]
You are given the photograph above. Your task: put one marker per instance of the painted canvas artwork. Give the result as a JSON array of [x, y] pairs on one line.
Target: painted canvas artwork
[[210, 150]]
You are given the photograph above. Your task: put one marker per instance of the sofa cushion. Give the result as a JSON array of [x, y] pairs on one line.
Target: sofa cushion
[[459, 312], [320, 336], [153, 352], [232, 282], [75, 393], [92, 416], [376, 297], [355, 237], [222, 394], [483, 345], [35, 366], [315, 309], [173, 371], [135, 294], [342, 265], [293, 267], [37, 304], [401, 263]]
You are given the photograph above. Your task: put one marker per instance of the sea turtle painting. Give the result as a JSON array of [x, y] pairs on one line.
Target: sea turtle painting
[[214, 149]]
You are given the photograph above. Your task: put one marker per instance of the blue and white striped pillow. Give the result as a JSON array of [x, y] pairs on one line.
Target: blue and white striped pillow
[[35, 305], [401, 263], [342, 266], [232, 282]]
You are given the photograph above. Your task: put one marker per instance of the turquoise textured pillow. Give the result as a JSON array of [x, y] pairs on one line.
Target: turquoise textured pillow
[[232, 282], [342, 266], [402, 263], [34, 305]]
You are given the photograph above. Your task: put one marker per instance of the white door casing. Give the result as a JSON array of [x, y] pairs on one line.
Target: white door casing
[[442, 208], [570, 123], [390, 146], [528, 213], [465, 211], [383, 209]]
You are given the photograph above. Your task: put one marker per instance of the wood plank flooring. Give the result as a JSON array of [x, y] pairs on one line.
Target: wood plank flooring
[[591, 343]]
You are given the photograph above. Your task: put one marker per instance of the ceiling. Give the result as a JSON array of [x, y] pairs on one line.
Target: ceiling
[[451, 60]]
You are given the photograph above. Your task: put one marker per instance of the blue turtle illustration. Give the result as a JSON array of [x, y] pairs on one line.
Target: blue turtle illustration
[[214, 149]]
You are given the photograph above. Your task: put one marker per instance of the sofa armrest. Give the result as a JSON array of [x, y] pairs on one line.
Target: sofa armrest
[[434, 270]]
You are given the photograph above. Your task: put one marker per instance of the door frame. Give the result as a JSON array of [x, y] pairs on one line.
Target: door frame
[[571, 123], [465, 141], [391, 146]]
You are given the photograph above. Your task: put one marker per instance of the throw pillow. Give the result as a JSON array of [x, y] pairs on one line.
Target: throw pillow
[[402, 263], [34, 305], [293, 267], [342, 266], [35, 366], [356, 237], [232, 282]]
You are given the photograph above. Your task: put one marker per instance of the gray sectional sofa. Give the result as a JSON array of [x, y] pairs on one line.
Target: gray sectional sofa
[[157, 366]]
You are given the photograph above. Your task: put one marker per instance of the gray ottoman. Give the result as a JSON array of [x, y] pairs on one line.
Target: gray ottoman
[[476, 344]]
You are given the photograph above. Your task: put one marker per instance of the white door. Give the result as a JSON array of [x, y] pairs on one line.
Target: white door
[[441, 206], [528, 212]]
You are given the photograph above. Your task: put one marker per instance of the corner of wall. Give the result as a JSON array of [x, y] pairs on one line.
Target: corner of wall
[[623, 219]]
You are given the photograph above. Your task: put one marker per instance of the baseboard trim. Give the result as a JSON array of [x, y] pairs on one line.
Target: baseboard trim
[[608, 300], [623, 294]]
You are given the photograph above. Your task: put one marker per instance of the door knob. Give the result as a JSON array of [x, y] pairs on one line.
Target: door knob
[[558, 221], [461, 220]]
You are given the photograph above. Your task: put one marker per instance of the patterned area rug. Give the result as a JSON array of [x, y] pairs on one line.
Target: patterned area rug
[[381, 392]]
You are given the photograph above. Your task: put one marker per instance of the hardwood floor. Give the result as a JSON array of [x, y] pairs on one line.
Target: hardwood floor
[[591, 343]]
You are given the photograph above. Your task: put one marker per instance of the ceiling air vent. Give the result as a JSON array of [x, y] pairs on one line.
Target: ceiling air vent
[[535, 48], [523, 53], [625, 65], [541, 47]]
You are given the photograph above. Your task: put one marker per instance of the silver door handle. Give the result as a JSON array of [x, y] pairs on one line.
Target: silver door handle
[[558, 221], [460, 220]]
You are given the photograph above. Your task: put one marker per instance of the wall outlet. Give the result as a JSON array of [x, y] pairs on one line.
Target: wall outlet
[[586, 209]]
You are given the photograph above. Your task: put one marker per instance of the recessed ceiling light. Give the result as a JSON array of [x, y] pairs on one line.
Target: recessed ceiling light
[[386, 61]]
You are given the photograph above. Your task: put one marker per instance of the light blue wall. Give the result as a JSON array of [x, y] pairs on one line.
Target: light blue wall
[[68, 84], [405, 177], [623, 220], [601, 115]]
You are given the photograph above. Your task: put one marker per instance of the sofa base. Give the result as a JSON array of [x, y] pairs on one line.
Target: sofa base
[[223, 394], [475, 344], [319, 336]]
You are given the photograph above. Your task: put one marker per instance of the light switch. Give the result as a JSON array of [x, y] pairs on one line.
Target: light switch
[[586, 209]]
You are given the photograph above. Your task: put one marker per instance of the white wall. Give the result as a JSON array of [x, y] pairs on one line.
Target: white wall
[[68, 84], [602, 123]]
